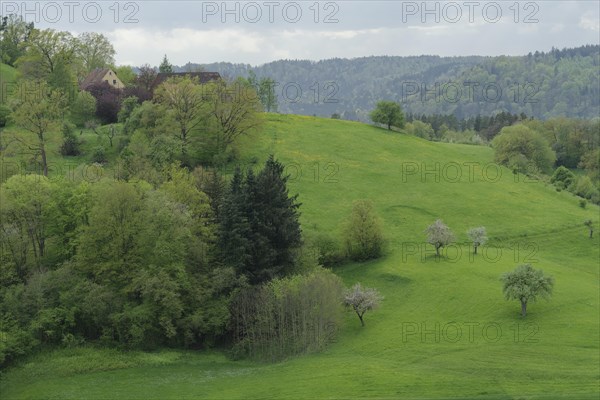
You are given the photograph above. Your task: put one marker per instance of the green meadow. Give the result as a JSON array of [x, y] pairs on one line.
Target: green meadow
[[443, 331]]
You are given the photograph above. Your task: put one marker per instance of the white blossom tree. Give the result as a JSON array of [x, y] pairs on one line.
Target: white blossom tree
[[362, 300], [478, 236], [439, 235]]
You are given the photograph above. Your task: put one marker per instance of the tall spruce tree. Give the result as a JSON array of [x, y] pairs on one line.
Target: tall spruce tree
[[278, 222], [165, 66], [234, 230]]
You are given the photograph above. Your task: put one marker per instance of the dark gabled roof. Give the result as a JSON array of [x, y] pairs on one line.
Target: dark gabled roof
[[94, 77], [203, 77]]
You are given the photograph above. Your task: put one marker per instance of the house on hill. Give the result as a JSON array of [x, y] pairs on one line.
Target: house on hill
[[101, 75], [203, 77]]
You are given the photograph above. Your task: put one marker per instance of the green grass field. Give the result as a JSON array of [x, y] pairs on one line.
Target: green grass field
[[444, 330]]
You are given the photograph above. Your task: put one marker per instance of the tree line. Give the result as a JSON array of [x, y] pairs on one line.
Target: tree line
[[541, 84]]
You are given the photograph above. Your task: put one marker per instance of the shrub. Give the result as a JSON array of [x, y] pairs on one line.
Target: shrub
[[363, 235], [582, 203], [329, 250], [420, 129], [14, 341], [562, 177], [99, 155], [584, 187], [70, 145], [83, 108]]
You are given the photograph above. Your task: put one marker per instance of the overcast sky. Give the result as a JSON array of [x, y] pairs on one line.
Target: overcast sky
[[262, 31]]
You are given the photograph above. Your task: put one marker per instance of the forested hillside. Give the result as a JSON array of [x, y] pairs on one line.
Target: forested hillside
[[542, 85]]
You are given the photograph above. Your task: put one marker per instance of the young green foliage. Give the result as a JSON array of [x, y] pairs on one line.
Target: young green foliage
[[526, 284], [363, 234], [388, 113]]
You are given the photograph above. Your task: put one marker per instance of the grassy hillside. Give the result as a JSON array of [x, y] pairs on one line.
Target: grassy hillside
[[443, 330]]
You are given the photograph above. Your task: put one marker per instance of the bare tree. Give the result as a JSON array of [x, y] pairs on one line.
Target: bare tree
[[362, 300]]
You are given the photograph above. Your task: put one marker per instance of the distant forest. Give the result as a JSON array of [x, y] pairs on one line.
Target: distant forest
[[541, 84]]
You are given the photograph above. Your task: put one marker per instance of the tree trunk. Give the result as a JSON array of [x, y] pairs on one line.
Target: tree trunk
[[44, 161], [389, 127], [523, 308], [362, 323], [475, 252], [437, 250], [591, 233]]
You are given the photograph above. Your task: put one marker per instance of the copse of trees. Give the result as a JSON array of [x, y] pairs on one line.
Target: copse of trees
[[259, 224], [287, 316], [145, 265], [205, 120], [523, 149], [265, 90]]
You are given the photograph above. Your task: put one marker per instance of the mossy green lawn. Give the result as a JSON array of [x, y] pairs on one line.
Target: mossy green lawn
[[443, 330]]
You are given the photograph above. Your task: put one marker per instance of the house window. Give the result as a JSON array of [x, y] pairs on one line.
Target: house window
[[114, 81], [106, 80]]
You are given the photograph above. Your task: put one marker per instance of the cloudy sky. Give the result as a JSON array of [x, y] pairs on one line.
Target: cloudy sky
[[256, 32]]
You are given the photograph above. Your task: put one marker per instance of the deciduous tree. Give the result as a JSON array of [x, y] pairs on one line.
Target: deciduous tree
[[363, 235], [183, 98], [526, 284], [362, 300], [439, 235], [39, 115], [93, 50], [478, 237], [14, 32], [45, 51], [388, 113]]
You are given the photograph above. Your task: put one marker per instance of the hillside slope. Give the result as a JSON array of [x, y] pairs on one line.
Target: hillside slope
[[443, 330]]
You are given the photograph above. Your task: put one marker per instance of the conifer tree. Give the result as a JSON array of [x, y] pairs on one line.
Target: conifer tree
[[259, 228], [233, 228]]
